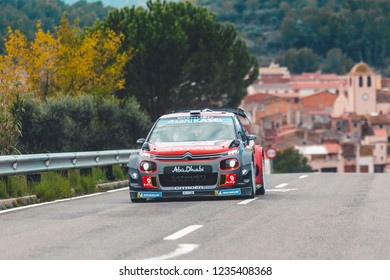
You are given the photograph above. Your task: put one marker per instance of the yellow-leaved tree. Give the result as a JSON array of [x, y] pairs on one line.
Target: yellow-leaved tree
[[69, 61], [12, 85], [90, 61]]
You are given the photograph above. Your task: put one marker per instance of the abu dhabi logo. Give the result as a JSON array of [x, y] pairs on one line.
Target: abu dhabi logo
[[188, 169]]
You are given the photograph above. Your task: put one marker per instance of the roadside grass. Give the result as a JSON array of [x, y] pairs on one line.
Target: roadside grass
[[52, 186], [56, 185], [119, 173], [3, 190]]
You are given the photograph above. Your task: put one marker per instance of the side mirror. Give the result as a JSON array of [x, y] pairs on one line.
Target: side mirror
[[235, 143], [252, 137], [141, 141]]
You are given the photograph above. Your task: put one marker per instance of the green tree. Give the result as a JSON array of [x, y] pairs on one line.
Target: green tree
[[81, 123], [290, 161], [184, 58], [336, 62], [300, 60]]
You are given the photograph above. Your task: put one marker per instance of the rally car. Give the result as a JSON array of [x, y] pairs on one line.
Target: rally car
[[196, 153]]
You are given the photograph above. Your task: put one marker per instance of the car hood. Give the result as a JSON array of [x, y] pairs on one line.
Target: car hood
[[201, 147]]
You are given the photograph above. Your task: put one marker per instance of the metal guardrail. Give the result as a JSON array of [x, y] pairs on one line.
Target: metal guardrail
[[34, 163]]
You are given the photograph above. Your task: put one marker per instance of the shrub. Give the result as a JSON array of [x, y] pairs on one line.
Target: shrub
[[74, 180], [18, 186], [52, 186], [83, 123], [118, 172], [3, 190]]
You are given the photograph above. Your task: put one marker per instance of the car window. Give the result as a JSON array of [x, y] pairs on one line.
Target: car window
[[193, 129]]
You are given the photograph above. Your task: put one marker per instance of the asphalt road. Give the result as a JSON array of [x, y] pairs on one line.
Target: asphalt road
[[312, 216]]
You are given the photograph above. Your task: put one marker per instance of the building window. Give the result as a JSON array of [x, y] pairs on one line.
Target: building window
[[360, 81], [369, 81]]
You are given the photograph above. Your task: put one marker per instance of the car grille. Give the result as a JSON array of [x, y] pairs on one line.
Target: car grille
[[190, 156], [191, 179]]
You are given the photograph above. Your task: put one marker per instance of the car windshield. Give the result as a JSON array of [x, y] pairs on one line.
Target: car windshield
[[189, 129]]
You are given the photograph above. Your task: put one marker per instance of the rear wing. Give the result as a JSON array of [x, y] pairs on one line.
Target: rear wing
[[236, 111]]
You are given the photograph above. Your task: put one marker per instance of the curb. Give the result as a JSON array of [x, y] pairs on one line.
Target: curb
[[32, 199], [14, 202]]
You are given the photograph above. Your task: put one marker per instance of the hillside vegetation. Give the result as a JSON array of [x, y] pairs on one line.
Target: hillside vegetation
[[350, 29], [24, 14]]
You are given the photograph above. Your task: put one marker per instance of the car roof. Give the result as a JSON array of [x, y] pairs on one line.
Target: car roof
[[209, 112], [198, 114]]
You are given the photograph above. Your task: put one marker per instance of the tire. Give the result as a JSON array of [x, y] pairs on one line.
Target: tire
[[253, 181], [261, 189]]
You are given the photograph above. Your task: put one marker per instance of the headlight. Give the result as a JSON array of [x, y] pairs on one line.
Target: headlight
[[147, 167], [229, 164]]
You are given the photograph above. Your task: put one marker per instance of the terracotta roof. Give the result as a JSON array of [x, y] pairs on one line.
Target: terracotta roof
[[321, 99], [333, 148], [273, 79], [286, 95], [274, 69], [380, 132]]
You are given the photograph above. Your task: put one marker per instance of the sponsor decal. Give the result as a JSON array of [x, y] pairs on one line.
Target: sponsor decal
[[196, 120], [228, 192], [188, 169], [147, 182], [230, 180], [189, 188], [149, 194]]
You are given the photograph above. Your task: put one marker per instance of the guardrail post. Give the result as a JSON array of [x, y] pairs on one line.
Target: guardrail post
[[108, 171], [33, 179], [5, 180], [86, 171]]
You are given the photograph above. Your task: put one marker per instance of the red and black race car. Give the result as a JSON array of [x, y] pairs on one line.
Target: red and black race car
[[197, 153]]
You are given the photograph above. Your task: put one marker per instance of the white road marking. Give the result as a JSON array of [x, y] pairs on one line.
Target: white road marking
[[246, 201], [118, 190], [303, 176], [280, 190], [59, 200], [281, 185], [182, 250], [183, 232]]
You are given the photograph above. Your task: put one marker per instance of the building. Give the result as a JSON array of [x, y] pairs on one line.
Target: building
[[323, 158], [363, 94], [340, 123]]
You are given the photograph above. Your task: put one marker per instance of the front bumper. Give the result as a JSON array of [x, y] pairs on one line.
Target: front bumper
[[220, 192]]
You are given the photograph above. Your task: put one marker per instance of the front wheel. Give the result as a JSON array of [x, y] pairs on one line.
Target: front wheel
[[253, 181]]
